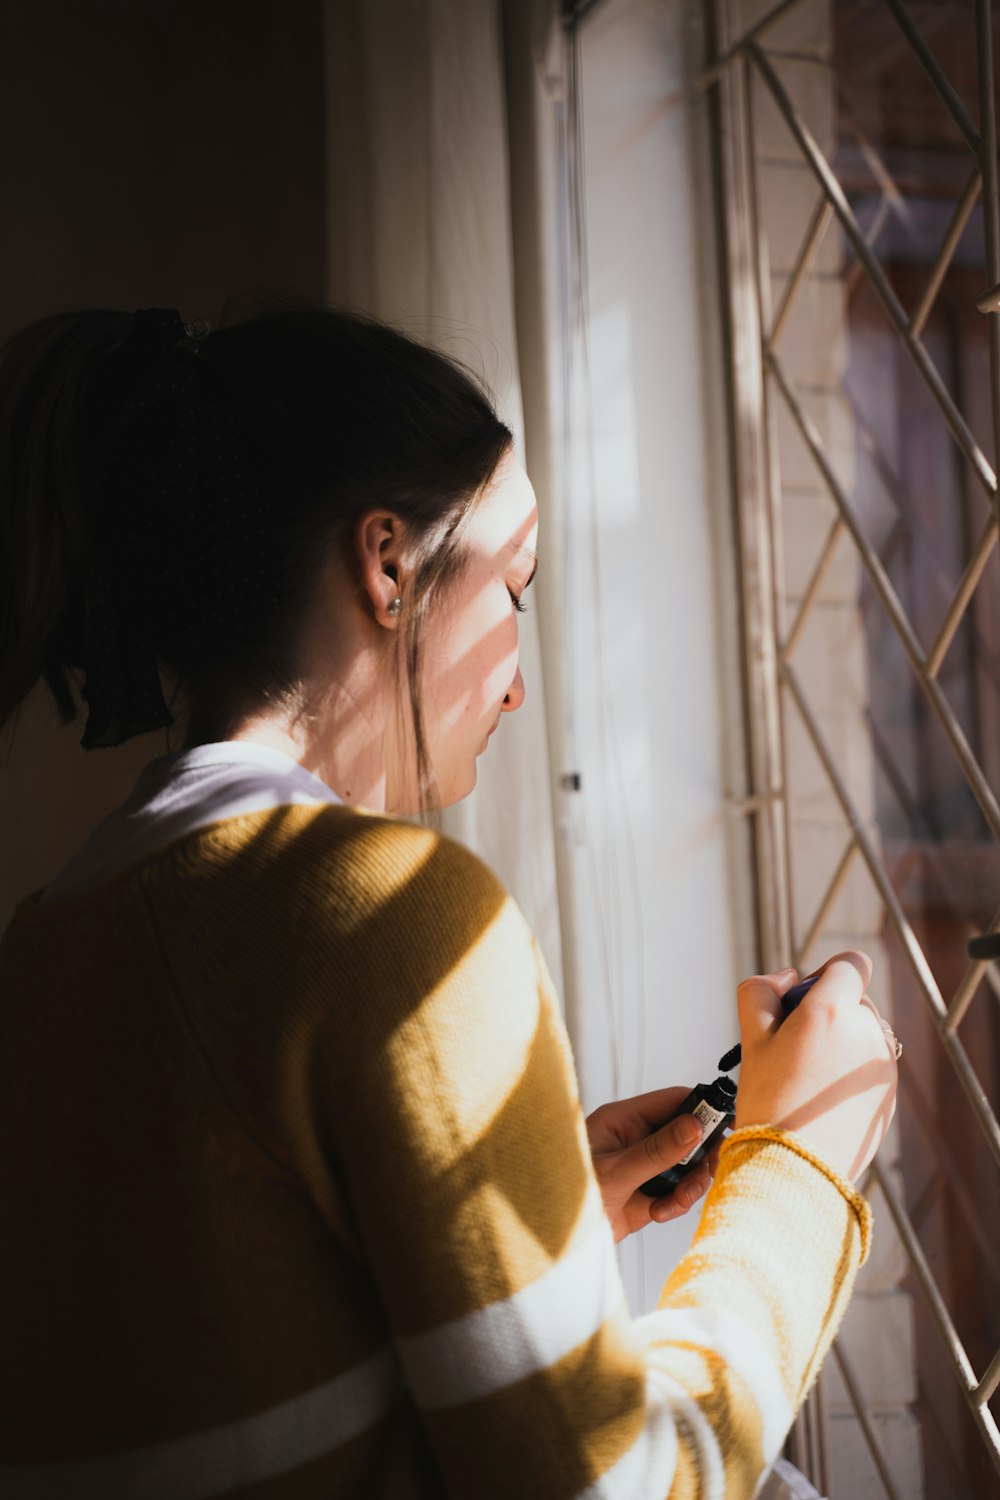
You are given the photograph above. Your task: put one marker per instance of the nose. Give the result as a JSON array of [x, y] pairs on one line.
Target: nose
[[515, 694]]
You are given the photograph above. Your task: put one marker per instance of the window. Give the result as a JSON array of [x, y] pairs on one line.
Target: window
[[859, 187]]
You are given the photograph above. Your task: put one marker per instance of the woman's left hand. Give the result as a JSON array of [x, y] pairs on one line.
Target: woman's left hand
[[629, 1144]]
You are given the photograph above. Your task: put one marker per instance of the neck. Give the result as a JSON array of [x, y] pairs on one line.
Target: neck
[[344, 725], [341, 738]]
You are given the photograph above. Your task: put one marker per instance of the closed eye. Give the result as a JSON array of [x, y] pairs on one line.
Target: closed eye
[[515, 599]]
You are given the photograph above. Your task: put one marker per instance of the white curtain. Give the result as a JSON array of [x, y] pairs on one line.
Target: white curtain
[[463, 205], [420, 234]]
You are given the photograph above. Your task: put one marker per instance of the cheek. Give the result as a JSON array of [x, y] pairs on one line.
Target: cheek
[[474, 682], [499, 658]]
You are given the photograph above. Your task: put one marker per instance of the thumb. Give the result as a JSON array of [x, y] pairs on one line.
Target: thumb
[[663, 1148], [758, 1002]]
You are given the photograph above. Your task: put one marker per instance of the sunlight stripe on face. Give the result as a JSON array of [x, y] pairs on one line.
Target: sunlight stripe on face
[[495, 1346], [226, 1458]]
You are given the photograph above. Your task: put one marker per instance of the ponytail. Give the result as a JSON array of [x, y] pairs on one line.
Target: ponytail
[[168, 495], [45, 373]]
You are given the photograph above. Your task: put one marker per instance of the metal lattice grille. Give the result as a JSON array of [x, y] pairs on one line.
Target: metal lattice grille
[[781, 698]]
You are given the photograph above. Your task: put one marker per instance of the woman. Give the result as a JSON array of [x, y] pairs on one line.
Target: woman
[[304, 1204]]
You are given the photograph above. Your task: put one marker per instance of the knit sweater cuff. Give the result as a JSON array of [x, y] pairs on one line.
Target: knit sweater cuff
[[768, 1135]]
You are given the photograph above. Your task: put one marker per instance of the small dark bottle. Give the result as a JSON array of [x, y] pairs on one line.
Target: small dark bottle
[[713, 1104]]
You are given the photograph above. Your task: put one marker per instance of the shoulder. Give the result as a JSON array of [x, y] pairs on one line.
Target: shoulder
[[418, 914], [353, 877], [342, 916], [372, 860]]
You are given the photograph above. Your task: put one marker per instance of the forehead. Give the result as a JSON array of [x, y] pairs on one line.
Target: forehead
[[507, 515]]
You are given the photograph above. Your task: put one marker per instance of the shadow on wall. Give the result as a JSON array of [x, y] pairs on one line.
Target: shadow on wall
[[53, 794], [175, 156]]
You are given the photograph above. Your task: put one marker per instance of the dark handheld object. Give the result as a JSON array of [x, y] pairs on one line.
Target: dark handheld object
[[789, 1000], [714, 1105], [987, 946], [793, 997]]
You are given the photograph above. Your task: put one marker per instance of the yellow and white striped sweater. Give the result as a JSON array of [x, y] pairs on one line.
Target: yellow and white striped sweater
[[299, 1202]]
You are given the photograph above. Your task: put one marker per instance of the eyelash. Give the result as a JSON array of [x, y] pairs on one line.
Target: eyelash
[[519, 608]]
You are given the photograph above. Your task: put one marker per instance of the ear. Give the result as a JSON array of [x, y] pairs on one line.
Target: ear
[[378, 546]]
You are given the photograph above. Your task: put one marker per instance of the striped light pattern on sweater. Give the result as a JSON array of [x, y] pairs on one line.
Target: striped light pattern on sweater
[[495, 1346], [223, 1459], [345, 1237]]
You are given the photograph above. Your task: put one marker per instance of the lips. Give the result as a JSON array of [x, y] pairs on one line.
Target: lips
[[489, 732]]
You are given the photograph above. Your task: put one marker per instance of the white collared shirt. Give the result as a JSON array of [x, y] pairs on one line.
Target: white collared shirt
[[182, 792]]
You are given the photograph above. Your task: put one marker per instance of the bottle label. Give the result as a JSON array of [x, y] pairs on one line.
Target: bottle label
[[708, 1118]]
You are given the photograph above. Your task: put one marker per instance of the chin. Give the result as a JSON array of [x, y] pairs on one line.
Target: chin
[[457, 789]]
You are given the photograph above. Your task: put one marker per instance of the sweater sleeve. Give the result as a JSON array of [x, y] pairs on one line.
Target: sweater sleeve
[[462, 1149]]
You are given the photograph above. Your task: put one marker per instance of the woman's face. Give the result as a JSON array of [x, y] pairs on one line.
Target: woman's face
[[470, 677]]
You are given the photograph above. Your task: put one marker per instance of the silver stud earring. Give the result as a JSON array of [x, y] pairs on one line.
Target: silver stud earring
[[396, 605]]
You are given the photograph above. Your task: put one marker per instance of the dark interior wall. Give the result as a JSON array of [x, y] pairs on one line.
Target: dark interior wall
[[158, 153], [154, 154]]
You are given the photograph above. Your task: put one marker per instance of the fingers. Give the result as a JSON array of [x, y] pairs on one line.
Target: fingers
[[758, 1002], [657, 1105], [667, 1146], [826, 1070], [687, 1193], [846, 966], [844, 978]]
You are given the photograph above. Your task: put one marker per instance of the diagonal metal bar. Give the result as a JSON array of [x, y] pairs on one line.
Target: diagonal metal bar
[[993, 980], [925, 1276], [880, 578], [891, 200], [973, 570], [991, 217], [824, 173], [955, 230], [818, 225], [945, 1180], [874, 1442], [961, 1363], [968, 583], [938, 78], [725, 60], [856, 271], [866, 848], [963, 996], [964, 1070], [885, 474], [814, 585], [969, 984], [862, 842], [892, 197], [973, 771], [910, 805], [829, 897], [980, 787], [974, 1091], [895, 774], [990, 1381]]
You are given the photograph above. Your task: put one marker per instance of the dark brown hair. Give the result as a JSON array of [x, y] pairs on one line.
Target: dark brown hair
[[174, 493]]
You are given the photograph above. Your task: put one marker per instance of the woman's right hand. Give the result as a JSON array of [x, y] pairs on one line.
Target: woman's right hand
[[826, 1071]]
